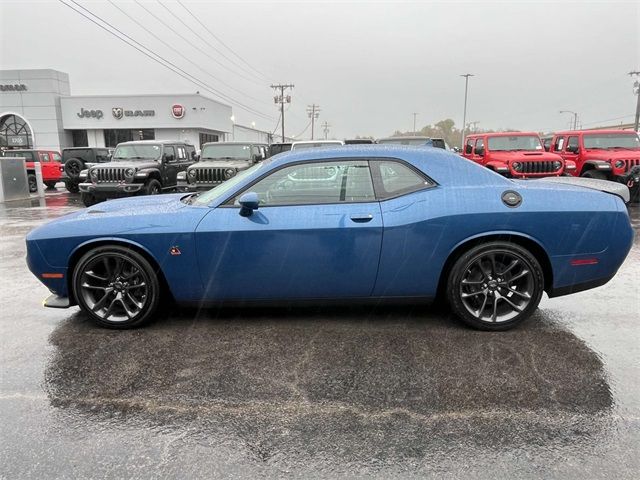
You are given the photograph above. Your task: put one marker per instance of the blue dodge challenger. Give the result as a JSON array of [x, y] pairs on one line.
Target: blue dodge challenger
[[346, 223]]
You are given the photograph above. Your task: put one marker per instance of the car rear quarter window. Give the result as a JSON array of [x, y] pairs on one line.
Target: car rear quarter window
[[393, 178], [558, 145]]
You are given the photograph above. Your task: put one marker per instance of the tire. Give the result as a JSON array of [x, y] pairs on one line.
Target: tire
[[634, 194], [51, 184], [116, 287], [495, 286], [72, 187], [595, 174], [153, 187], [73, 167], [33, 183], [88, 199]]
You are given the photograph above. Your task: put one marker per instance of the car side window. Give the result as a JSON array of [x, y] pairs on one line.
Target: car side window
[[316, 183], [44, 157], [393, 178], [102, 156], [56, 157], [468, 148], [169, 153], [479, 145], [559, 144], [572, 143], [191, 152], [182, 154]]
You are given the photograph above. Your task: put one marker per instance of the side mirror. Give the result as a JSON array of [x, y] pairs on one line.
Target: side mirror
[[248, 203], [257, 157], [480, 151]]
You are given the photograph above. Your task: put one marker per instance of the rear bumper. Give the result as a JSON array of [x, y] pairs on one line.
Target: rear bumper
[[579, 287], [106, 189]]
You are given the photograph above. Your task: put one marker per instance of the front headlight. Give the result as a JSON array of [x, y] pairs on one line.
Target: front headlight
[[93, 173], [619, 164], [192, 173], [517, 166], [129, 172], [229, 172], [557, 164]]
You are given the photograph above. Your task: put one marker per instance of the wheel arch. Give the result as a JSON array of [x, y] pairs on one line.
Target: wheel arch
[[525, 241], [83, 248]]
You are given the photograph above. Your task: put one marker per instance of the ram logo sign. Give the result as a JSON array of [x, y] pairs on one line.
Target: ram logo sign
[[118, 112]]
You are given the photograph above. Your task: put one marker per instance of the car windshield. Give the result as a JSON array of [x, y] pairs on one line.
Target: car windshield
[[611, 140], [209, 196], [404, 141], [302, 146], [137, 152], [222, 151], [515, 142]]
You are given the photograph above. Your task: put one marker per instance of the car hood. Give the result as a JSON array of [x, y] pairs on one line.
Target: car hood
[[124, 215], [137, 164], [611, 154], [222, 164], [525, 156]]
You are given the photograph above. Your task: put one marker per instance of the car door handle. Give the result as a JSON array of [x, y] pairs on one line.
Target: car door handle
[[362, 218]]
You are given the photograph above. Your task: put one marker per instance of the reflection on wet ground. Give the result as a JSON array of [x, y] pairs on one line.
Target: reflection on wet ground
[[318, 392]]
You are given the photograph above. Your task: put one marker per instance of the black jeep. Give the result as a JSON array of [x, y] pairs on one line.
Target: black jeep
[[77, 159], [219, 161], [145, 167]]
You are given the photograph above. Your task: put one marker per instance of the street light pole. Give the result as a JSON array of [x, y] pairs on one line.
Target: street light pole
[[575, 117], [414, 122], [636, 90], [464, 115]]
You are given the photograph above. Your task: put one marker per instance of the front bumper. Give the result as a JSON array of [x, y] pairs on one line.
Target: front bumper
[[196, 187], [632, 178], [110, 188]]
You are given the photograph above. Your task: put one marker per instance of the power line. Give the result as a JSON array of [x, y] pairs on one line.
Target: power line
[[221, 42], [195, 64], [302, 132], [161, 60], [204, 52]]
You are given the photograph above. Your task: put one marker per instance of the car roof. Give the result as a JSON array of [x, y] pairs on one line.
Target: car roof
[[234, 143], [313, 142], [503, 134], [87, 148], [152, 142], [406, 137], [587, 132]]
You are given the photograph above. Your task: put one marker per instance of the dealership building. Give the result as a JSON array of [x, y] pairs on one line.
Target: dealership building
[[37, 110]]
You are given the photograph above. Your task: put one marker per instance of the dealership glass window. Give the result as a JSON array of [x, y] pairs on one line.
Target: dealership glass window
[[208, 137], [14, 132], [80, 138], [112, 137]]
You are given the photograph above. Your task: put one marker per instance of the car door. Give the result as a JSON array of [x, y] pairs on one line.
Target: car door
[[169, 167], [46, 165], [572, 148], [316, 234]]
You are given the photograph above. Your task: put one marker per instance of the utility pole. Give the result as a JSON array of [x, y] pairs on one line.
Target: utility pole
[[464, 115], [575, 118], [325, 128], [414, 121], [313, 111], [636, 91], [473, 126], [282, 99]]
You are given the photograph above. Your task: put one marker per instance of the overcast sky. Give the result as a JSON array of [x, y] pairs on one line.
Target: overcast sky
[[368, 65]]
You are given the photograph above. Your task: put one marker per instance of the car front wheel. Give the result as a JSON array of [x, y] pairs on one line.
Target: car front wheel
[[495, 286], [153, 187], [596, 174], [116, 286]]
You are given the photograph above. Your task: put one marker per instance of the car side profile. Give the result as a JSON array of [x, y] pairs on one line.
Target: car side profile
[[352, 223]]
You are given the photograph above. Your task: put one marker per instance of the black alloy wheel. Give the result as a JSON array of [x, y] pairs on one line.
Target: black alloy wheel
[[153, 187], [72, 187], [116, 286], [595, 174], [495, 286], [88, 199]]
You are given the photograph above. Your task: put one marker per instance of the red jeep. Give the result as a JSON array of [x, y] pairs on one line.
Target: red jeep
[[603, 154], [515, 154], [49, 161]]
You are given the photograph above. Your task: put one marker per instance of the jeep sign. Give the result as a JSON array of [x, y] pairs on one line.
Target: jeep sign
[[90, 114], [177, 110]]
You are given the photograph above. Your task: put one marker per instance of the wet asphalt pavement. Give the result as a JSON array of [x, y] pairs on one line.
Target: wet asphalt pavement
[[315, 392]]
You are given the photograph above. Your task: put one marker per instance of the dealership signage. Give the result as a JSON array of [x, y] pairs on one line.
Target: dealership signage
[[119, 112], [177, 110], [18, 87], [90, 114]]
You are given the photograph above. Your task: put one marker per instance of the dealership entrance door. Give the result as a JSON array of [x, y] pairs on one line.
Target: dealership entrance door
[[15, 132]]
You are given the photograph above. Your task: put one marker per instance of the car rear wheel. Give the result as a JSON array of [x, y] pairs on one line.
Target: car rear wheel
[[495, 286], [153, 187], [33, 183], [116, 286], [595, 174], [72, 187]]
